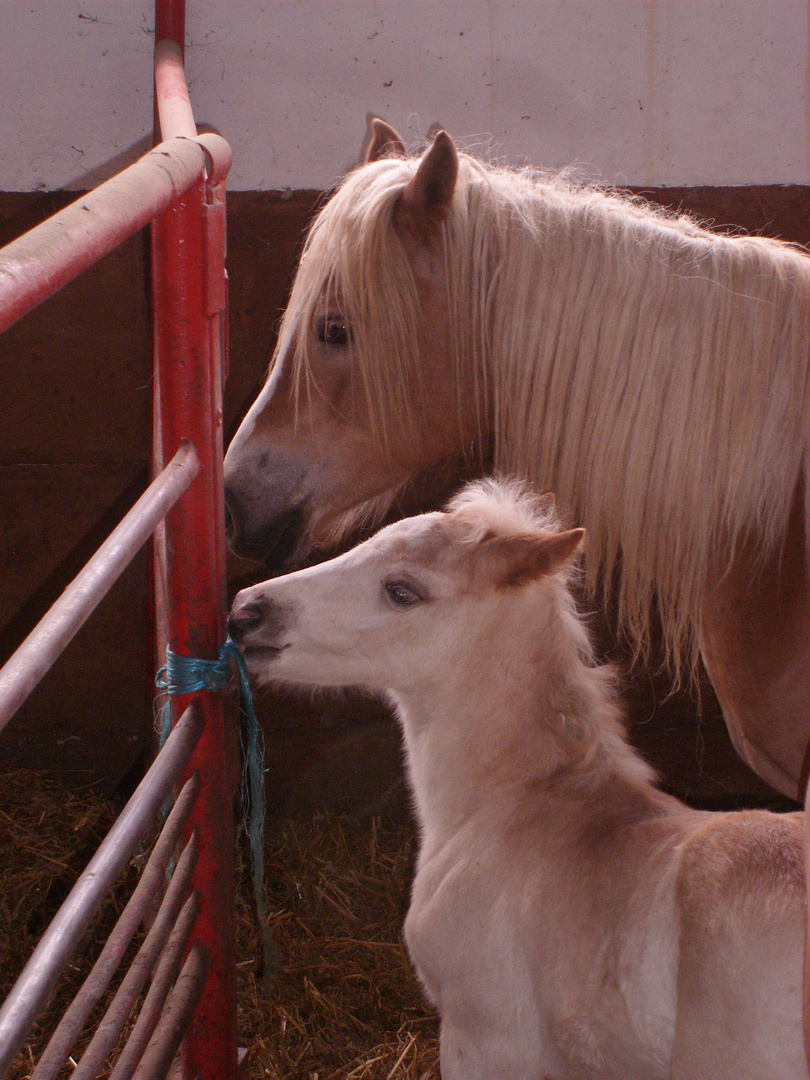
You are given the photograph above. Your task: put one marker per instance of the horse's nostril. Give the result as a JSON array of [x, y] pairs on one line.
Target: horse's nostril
[[243, 619]]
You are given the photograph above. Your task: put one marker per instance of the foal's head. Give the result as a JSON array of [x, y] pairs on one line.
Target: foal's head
[[416, 600]]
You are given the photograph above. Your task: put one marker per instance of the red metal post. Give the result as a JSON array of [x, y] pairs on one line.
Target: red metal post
[[170, 21], [188, 275], [188, 288]]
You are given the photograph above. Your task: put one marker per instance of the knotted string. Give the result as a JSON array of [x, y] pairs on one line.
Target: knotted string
[[188, 674]]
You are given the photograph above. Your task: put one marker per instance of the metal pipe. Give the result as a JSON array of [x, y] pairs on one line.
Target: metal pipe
[[122, 1004], [175, 116], [149, 884], [177, 1016], [41, 262], [188, 282], [170, 21], [65, 931], [164, 977], [59, 626]]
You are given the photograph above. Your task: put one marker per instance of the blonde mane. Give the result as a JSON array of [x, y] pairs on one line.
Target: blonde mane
[[650, 372]]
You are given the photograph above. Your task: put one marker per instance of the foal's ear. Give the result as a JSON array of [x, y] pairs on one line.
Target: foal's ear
[[381, 141], [516, 560], [426, 199]]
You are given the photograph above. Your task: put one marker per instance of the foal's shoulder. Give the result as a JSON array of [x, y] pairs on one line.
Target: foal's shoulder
[[743, 863]]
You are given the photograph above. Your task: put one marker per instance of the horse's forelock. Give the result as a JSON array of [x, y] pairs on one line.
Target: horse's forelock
[[353, 259]]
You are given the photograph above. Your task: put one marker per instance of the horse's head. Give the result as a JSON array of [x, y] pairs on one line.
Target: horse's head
[[421, 601], [363, 390]]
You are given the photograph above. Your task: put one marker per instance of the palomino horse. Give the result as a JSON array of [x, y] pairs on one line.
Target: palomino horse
[[568, 920], [449, 316]]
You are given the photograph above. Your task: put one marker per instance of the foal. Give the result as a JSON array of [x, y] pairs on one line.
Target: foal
[[568, 920]]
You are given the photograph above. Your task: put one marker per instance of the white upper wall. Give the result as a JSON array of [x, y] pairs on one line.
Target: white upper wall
[[656, 92]]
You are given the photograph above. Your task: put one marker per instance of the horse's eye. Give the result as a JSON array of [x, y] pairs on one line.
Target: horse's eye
[[333, 330], [401, 594]]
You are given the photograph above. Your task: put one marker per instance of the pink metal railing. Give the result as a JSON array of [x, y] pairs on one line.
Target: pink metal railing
[[43, 646], [189, 952]]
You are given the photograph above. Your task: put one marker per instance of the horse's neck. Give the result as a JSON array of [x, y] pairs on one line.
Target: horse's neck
[[502, 723]]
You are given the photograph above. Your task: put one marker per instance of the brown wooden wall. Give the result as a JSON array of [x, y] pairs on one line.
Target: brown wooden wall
[[74, 455]]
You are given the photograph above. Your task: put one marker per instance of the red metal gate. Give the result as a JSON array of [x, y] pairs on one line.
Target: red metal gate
[[188, 954]]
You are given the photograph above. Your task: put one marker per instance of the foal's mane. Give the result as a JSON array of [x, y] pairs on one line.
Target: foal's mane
[[581, 689], [649, 371]]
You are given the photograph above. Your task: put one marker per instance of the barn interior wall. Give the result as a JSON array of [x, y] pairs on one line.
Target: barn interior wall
[[75, 454], [653, 92]]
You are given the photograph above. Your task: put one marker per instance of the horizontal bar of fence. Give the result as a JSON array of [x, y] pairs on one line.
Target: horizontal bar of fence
[[122, 1004], [68, 926], [43, 260], [176, 1017], [165, 975], [175, 114], [149, 885], [59, 626]]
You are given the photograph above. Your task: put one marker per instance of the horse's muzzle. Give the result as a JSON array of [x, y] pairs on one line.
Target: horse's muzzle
[[275, 543]]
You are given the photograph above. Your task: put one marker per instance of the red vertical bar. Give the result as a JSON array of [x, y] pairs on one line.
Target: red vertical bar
[[170, 21], [188, 283], [189, 384]]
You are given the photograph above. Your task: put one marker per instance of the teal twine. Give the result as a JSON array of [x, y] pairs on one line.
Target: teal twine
[[186, 675]]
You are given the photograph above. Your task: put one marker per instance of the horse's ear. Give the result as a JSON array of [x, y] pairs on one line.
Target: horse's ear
[[426, 199], [510, 561], [381, 141]]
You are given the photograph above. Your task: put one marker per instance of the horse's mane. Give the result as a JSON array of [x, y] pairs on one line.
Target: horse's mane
[[649, 371]]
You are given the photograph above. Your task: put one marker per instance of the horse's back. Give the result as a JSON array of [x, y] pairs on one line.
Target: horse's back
[[741, 895]]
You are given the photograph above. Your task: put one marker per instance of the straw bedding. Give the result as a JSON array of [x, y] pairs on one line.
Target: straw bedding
[[344, 1004]]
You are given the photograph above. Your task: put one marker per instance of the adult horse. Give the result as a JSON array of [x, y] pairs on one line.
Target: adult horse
[[449, 316]]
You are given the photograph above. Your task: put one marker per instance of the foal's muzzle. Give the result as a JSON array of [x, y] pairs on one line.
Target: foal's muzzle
[[243, 619]]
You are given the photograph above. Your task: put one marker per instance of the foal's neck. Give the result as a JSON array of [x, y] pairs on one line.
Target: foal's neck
[[502, 720]]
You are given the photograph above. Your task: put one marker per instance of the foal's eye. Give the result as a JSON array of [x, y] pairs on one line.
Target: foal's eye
[[333, 330], [402, 595]]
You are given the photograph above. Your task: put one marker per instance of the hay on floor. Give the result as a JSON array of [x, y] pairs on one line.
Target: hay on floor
[[344, 1004]]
